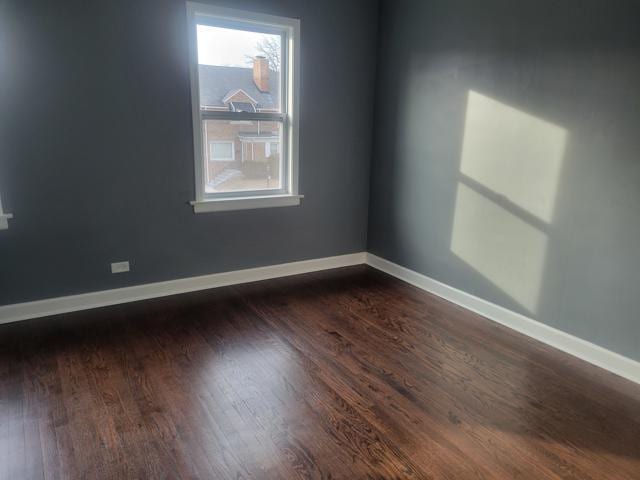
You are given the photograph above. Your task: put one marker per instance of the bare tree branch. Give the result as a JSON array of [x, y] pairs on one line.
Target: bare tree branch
[[269, 47]]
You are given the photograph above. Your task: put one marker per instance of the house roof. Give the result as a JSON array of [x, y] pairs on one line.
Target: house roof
[[238, 92], [216, 82]]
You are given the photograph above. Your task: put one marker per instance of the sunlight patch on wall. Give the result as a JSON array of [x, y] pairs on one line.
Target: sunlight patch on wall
[[500, 246], [513, 153], [510, 170]]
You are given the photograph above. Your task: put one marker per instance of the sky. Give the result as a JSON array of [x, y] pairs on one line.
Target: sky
[[226, 47]]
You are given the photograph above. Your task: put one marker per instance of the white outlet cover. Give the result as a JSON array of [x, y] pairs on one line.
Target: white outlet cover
[[119, 267]]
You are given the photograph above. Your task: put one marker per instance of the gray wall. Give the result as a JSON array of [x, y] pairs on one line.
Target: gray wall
[[541, 212], [96, 146]]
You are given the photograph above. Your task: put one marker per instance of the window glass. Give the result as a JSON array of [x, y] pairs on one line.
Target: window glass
[[222, 151], [248, 162], [239, 70]]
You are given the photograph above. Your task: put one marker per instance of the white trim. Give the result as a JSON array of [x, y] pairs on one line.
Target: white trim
[[587, 351], [55, 306], [290, 97], [196, 119], [4, 217], [291, 138], [246, 203], [4, 224]]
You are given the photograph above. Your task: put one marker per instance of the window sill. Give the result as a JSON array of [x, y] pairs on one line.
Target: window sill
[[245, 203], [4, 224]]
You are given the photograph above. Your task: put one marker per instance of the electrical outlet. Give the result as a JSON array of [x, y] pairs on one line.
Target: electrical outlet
[[119, 267]]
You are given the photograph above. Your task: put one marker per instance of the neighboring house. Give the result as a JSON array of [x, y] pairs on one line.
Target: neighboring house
[[248, 148]]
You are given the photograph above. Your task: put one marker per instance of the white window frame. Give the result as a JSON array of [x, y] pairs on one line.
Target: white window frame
[[4, 218], [289, 28], [226, 142]]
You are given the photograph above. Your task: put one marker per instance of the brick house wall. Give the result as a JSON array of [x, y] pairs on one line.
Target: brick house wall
[[227, 130]]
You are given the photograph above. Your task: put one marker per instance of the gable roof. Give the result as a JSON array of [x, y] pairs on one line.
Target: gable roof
[[237, 92], [217, 82]]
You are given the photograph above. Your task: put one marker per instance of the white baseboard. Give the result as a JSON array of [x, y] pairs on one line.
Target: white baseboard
[[85, 301], [611, 361]]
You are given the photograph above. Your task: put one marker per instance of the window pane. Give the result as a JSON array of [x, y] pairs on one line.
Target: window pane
[[240, 157], [239, 70], [221, 150]]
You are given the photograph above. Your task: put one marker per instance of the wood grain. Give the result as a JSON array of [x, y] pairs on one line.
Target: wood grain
[[342, 374]]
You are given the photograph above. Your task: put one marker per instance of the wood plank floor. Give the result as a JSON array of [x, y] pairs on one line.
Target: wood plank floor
[[344, 374]]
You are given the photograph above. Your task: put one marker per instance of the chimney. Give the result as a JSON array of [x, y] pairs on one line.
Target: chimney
[[261, 73]]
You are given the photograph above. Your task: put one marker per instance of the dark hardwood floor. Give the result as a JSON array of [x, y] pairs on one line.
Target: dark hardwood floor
[[344, 374]]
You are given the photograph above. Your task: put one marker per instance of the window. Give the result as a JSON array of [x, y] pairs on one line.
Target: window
[[221, 151], [244, 87], [273, 148]]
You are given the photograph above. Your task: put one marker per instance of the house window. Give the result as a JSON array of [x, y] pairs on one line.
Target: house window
[[221, 151], [244, 86], [273, 148]]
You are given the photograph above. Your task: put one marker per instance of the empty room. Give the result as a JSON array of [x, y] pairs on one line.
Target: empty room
[[304, 239]]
